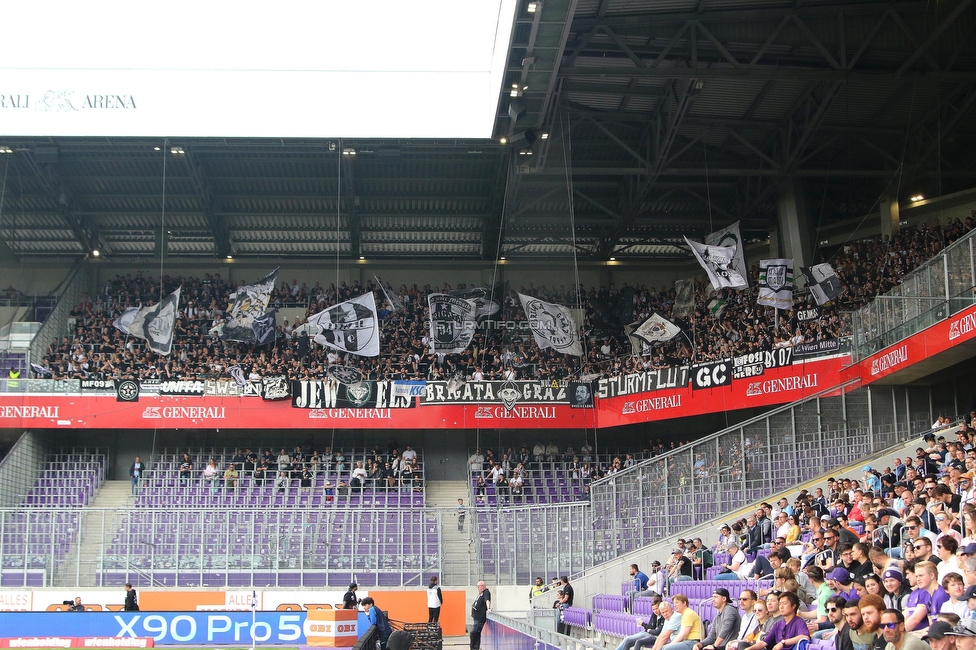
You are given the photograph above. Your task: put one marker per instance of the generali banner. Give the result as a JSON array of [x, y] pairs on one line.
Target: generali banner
[[708, 388], [933, 340]]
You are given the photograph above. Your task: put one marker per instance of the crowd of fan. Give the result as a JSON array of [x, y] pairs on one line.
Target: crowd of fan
[[887, 558], [95, 349]]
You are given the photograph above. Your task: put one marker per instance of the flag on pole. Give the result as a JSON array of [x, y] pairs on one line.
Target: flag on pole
[[823, 282], [717, 306], [719, 264], [684, 298], [350, 326], [552, 326], [452, 322], [156, 324], [389, 294], [731, 236], [656, 329], [248, 303], [776, 283], [125, 319]]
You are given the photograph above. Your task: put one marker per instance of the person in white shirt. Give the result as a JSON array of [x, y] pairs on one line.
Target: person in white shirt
[[358, 478], [409, 454]]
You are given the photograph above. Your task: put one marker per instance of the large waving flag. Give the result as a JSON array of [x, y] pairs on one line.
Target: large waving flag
[[776, 283], [684, 298], [125, 319], [552, 326], [156, 324], [351, 326], [655, 329], [719, 264], [823, 282], [731, 236], [452, 322], [249, 303]]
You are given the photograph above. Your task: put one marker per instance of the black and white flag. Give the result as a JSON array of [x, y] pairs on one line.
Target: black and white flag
[[156, 324], [731, 237], [389, 294], [776, 283], [823, 282], [350, 326], [248, 303], [41, 371], [488, 300], [125, 319], [275, 388], [264, 328], [552, 325], [452, 322], [684, 298], [639, 346], [655, 329], [237, 374], [719, 264]]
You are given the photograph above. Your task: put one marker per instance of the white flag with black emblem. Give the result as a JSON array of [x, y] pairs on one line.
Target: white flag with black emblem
[[156, 324], [776, 283], [350, 326], [552, 325], [452, 322], [656, 329], [249, 303], [125, 319], [719, 264], [731, 237]]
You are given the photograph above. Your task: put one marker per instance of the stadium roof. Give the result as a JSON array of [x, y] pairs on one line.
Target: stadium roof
[[632, 122]]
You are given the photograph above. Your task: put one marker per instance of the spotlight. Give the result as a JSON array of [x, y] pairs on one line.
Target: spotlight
[[5, 149], [177, 151], [362, 257], [349, 152], [503, 140], [96, 253], [155, 148], [544, 136], [532, 7], [230, 257], [917, 198]]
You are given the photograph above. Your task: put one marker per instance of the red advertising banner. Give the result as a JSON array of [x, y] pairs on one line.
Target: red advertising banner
[[773, 386], [709, 388], [929, 342]]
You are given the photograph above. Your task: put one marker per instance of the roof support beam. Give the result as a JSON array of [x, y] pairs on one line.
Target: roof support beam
[[49, 174], [222, 246]]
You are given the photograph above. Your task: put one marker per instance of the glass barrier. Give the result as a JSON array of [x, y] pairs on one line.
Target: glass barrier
[[941, 287]]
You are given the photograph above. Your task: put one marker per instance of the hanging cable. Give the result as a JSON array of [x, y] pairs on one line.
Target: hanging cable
[[162, 224]]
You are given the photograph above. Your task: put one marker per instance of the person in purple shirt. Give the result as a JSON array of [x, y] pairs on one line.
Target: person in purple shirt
[[786, 633], [926, 599]]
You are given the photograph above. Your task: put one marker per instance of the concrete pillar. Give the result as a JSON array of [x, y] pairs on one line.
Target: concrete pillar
[[794, 224], [774, 247], [890, 216]]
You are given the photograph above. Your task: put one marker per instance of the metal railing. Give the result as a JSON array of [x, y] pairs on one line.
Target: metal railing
[[939, 288], [81, 282]]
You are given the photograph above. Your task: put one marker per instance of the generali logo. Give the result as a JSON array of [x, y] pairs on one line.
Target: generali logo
[[962, 326], [891, 359]]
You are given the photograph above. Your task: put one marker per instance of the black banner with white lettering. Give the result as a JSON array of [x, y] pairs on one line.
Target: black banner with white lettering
[[711, 375], [818, 348], [581, 394], [331, 394], [507, 393]]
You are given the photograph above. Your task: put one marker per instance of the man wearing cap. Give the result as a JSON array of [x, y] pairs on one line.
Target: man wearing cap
[[893, 630], [970, 598], [656, 580], [679, 567], [840, 582], [724, 625], [349, 600], [965, 635], [730, 570], [638, 586], [936, 636]]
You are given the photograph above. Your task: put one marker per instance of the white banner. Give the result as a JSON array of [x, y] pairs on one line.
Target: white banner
[[776, 283], [731, 236], [655, 329], [552, 325], [248, 303], [719, 264], [156, 324], [350, 326], [452, 322]]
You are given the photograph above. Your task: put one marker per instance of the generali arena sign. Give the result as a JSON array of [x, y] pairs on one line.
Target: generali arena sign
[[679, 392]]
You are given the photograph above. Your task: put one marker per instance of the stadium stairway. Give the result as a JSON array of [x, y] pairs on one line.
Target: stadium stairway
[[457, 552], [116, 498]]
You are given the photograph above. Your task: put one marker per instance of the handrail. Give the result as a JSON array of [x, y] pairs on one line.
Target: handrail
[[684, 448]]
